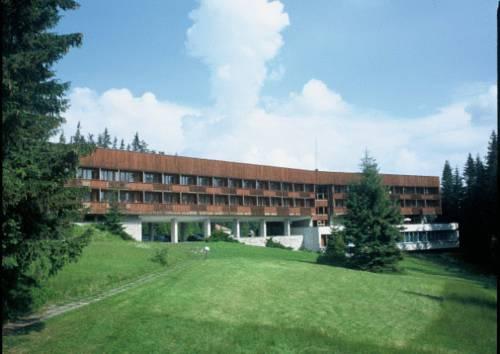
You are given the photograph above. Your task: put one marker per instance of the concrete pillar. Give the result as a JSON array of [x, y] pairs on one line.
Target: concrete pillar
[[311, 222], [133, 227], [263, 228], [207, 231], [174, 231], [236, 229], [287, 227]]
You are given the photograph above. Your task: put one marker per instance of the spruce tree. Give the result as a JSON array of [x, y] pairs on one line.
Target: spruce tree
[[447, 191], [371, 222], [37, 209], [115, 143], [62, 138], [106, 139], [457, 196], [136, 143], [122, 145]]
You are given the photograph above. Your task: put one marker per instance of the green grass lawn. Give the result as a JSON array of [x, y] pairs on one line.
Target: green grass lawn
[[250, 299]]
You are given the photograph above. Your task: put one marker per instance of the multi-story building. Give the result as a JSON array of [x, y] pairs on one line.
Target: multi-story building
[[163, 188]]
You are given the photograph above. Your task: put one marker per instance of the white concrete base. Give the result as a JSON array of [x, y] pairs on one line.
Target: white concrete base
[[133, 227], [294, 241]]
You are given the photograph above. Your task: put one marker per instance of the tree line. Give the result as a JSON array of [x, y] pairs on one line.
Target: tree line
[[470, 197], [104, 140]]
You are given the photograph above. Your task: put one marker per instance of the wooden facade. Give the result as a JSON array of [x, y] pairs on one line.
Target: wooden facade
[[317, 194]]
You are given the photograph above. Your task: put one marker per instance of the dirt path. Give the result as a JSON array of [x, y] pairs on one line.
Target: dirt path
[[56, 310]]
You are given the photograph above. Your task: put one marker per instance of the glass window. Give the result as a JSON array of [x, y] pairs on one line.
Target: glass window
[[309, 187], [128, 176], [219, 182], [221, 200], [130, 196], [204, 181], [188, 198], [188, 180], [109, 175], [108, 196], [171, 198], [150, 177], [88, 173], [250, 184], [275, 186], [234, 183], [152, 197], [170, 179], [275, 201], [236, 200], [205, 199], [261, 185], [250, 201]]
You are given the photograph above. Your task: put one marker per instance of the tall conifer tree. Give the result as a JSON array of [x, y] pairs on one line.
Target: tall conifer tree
[[37, 209], [371, 222]]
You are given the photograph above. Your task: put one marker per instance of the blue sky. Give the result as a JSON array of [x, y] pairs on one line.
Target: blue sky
[[349, 74]]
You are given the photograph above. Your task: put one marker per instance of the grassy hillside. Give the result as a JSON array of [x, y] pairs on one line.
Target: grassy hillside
[[249, 299]]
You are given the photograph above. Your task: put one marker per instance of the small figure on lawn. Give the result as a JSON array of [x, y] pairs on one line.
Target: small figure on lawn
[[206, 249]]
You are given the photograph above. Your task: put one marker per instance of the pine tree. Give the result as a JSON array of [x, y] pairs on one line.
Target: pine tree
[[136, 143], [78, 137], [106, 139], [144, 146], [122, 145], [62, 138], [491, 198], [457, 196], [90, 139], [447, 191], [128, 147], [100, 141], [371, 222], [37, 210], [115, 143]]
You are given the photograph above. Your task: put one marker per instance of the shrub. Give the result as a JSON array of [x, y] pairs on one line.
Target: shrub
[[272, 244], [160, 256], [335, 252], [219, 235]]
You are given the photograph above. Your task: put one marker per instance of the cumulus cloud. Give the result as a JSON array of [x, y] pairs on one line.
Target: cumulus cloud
[[158, 122], [237, 40]]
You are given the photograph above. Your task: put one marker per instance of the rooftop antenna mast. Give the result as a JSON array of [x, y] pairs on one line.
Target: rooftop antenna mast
[[315, 153]]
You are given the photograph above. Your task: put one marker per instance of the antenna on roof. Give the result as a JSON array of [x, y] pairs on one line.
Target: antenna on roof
[[315, 153]]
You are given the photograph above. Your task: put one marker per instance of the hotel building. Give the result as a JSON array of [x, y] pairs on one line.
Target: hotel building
[[154, 188]]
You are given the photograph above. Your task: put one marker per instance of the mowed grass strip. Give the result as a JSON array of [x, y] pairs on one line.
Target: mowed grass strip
[[106, 263], [249, 299]]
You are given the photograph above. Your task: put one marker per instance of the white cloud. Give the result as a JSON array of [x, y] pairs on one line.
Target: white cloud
[[158, 122], [238, 39]]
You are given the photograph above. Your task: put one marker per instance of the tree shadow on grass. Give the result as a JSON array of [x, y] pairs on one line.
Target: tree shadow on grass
[[22, 327]]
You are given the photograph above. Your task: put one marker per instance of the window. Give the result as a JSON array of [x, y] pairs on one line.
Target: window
[[204, 181], [249, 184], [298, 187], [420, 190], [88, 173], [171, 198], [150, 177], [288, 202], [263, 201], [130, 197], [420, 203], [128, 176], [275, 186], [339, 203], [287, 187], [221, 200], [219, 182], [309, 187], [275, 201], [108, 196], [188, 198], [432, 203], [299, 203], [250, 201], [109, 175], [204, 199], [321, 196], [309, 203], [152, 197], [261, 185], [170, 179], [234, 183], [236, 200], [187, 180]]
